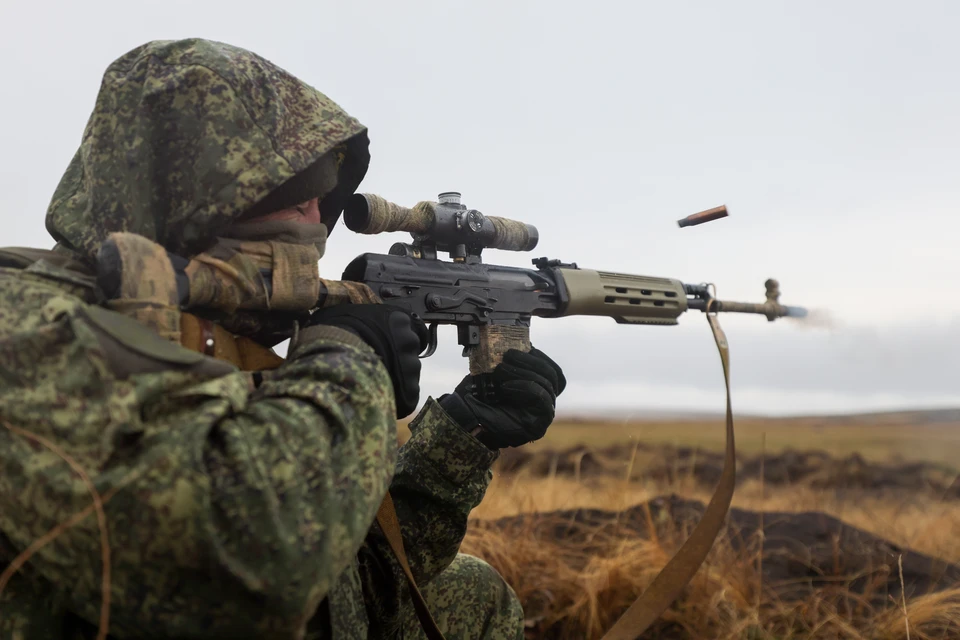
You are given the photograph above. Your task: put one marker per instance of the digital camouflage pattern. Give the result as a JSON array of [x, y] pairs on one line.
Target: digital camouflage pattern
[[469, 600], [242, 127], [234, 510]]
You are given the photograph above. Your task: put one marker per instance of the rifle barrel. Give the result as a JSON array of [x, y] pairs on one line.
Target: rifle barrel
[[770, 309]]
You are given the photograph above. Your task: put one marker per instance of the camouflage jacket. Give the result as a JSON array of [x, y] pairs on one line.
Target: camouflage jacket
[[231, 511]]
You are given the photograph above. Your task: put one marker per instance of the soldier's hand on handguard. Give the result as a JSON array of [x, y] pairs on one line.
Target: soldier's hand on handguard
[[396, 336], [512, 405]]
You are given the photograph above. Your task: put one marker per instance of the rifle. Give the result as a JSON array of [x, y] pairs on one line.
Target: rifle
[[492, 307]]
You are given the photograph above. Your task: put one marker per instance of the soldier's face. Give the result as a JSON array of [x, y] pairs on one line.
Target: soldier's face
[[306, 212]]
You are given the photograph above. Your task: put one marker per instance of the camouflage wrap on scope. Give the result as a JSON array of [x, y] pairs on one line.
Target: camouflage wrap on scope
[[233, 510], [372, 214], [383, 216], [512, 235]]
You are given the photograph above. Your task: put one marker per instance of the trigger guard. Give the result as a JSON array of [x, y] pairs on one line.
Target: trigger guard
[[432, 345]]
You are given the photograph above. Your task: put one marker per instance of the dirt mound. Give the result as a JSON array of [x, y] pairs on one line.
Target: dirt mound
[[808, 566], [801, 551], [816, 469]]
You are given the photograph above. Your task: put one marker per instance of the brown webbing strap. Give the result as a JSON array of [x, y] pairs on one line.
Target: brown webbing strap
[[387, 517], [681, 568]]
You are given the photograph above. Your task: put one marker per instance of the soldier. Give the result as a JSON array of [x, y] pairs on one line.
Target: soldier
[[240, 490]]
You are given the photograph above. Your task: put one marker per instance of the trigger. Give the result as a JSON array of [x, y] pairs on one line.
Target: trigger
[[432, 345]]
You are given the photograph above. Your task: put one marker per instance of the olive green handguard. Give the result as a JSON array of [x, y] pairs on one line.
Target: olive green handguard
[[627, 298]]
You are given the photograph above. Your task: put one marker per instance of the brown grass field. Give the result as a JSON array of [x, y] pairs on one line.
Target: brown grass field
[[575, 574]]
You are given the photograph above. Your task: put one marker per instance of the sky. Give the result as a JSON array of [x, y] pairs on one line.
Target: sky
[[828, 129]]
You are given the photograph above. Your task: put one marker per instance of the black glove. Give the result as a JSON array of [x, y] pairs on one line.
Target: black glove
[[396, 336], [512, 405]]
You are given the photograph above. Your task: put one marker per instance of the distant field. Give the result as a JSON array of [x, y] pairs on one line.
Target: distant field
[[891, 437], [908, 436]]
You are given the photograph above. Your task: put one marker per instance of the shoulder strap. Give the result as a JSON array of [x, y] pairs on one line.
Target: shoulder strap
[[211, 339], [63, 266], [20, 257], [681, 568], [387, 518]]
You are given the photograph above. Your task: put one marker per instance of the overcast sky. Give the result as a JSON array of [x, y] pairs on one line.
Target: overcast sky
[[829, 129]]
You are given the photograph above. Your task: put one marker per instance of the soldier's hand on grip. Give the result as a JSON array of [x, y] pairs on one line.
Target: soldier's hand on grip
[[512, 405], [396, 336]]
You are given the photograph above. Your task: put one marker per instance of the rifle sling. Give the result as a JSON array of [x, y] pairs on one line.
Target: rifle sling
[[390, 525], [677, 573]]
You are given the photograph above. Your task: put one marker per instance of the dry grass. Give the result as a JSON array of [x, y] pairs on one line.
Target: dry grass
[[923, 524], [572, 592], [570, 596], [576, 594]]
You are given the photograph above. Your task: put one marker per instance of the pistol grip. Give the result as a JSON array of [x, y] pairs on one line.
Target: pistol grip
[[496, 340]]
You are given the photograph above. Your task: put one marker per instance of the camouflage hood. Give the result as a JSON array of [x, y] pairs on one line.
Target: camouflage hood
[[186, 137]]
